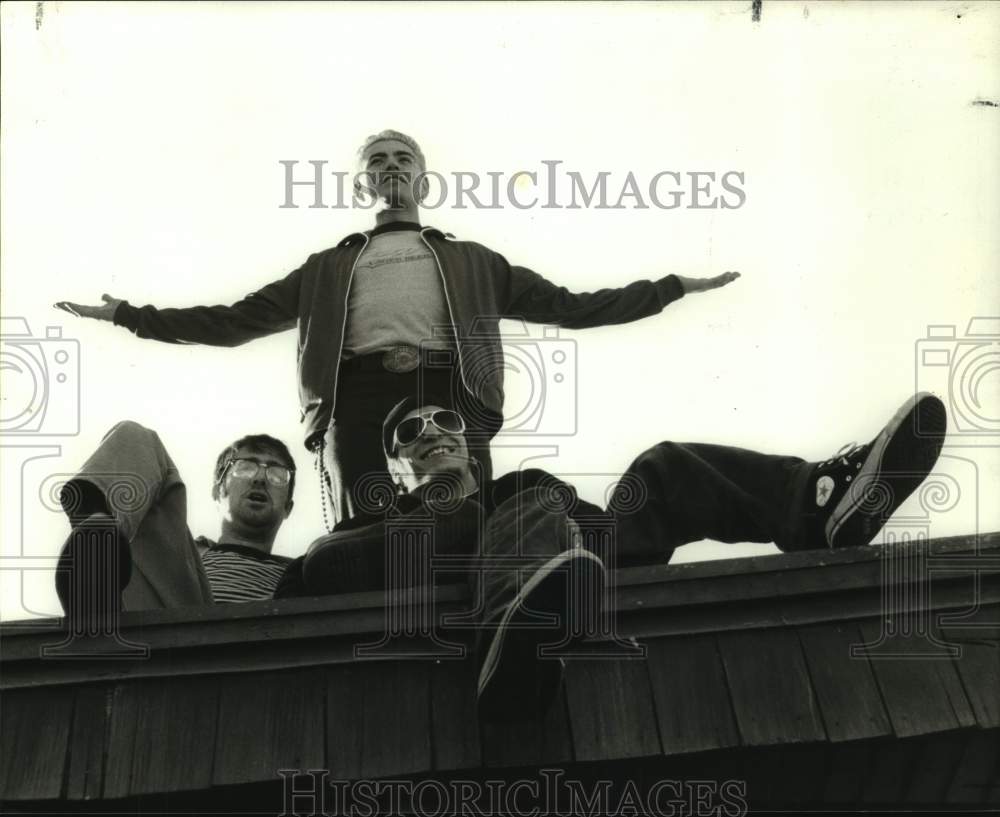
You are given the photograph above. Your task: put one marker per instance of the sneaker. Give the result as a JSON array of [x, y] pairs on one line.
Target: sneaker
[[861, 486], [516, 681]]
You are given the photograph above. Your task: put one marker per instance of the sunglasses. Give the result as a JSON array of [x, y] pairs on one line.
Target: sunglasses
[[411, 429], [279, 475]]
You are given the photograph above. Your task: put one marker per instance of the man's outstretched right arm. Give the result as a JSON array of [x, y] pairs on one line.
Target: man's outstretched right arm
[[270, 309]]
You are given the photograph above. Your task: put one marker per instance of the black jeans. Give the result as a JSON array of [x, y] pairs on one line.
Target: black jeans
[[350, 460], [672, 494], [676, 493]]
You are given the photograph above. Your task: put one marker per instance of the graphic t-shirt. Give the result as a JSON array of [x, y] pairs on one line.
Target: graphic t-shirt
[[396, 297]]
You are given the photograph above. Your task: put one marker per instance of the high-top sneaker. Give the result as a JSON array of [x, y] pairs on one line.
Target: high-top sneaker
[[861, 486], [518, 680]]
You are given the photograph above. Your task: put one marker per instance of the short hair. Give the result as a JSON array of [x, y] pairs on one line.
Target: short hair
[[254, 442], [397, 136]]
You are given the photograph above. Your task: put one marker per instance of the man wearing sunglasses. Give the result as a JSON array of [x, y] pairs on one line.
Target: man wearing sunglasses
[[130, 547], [526, 527], [389, 311], [475, 520]]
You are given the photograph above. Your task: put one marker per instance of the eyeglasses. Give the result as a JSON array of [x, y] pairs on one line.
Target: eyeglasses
[[411, 429], [279, 475]]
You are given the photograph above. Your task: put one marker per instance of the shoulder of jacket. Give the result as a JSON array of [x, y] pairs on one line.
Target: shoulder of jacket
[[438, 236], [434, 232], [360, 237], [346, 242]]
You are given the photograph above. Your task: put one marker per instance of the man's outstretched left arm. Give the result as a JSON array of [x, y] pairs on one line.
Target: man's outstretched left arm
[[536, 299]]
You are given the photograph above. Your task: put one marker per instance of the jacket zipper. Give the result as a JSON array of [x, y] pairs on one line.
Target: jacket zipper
[[451, 315], [343, 325]]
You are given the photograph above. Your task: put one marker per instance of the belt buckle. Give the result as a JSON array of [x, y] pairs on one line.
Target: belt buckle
[[401, 359]]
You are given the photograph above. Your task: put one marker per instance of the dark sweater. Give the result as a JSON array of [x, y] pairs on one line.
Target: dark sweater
[[354, 554]]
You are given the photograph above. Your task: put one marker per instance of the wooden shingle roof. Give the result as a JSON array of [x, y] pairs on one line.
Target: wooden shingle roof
[[863, 676]]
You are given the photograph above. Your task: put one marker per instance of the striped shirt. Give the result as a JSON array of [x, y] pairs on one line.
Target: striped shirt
[[240, 573]]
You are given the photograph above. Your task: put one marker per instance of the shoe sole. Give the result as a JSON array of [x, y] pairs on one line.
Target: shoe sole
[[898, 462], [521, 646], [98, 554]]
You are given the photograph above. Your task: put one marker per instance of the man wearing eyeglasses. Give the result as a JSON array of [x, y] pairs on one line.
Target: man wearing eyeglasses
[[527, 526], [374, 309], [130, 547]]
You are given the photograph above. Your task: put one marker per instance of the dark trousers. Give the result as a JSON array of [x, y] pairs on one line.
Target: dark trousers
[[676, 493], [350, 460], [672, 494]]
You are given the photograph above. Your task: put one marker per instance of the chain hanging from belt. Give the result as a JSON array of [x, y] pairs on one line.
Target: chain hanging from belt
[[325, 486]]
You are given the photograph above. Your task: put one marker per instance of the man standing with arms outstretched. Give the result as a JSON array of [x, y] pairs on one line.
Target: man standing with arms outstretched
[[369, 314]]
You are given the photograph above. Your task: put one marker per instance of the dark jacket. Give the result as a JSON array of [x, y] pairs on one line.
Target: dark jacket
[[480, 288], [353, 557]]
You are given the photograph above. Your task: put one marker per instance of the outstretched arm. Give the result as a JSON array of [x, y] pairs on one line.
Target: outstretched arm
[[104, 312], [270, 309], [533, 298], [704, 284]]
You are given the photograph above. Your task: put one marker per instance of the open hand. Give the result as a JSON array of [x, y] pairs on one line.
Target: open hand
[[104, 312], [705, 284]]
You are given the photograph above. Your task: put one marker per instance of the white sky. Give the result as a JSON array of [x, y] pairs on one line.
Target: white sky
[[141, 148]]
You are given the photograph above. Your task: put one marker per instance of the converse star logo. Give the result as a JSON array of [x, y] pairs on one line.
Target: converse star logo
[[824, 488]]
